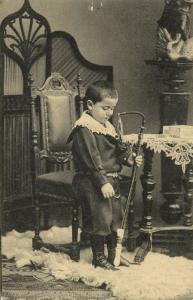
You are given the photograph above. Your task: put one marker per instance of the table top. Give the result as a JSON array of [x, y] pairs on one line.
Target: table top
[[180, 150]]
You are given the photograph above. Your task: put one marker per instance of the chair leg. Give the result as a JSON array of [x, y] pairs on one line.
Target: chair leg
[[75, 250], [37, 241], [84, 238]]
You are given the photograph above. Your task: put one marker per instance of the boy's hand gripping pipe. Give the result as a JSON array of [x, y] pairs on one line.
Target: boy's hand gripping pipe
[[121, 231]]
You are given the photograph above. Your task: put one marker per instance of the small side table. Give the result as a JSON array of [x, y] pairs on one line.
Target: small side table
[[180, 150]]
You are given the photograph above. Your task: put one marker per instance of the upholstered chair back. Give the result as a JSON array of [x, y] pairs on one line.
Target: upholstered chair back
[[57, 116]]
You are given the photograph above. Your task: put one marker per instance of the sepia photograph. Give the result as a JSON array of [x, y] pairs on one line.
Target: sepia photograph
[[96, 149]]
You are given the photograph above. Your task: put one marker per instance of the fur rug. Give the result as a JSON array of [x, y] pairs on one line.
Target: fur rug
[[158, 277]]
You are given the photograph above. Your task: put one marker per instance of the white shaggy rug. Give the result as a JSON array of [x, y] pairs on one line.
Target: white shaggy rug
[[158, 277]]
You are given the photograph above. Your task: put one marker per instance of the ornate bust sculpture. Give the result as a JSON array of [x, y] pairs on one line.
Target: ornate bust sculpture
[[173, 33]]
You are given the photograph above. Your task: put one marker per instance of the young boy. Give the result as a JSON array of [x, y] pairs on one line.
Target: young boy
[[98, 154]]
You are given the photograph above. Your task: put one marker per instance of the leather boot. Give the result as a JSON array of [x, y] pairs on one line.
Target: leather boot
[[99, 258], [111, 241]]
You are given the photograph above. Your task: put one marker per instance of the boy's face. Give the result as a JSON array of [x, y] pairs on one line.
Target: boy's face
[[102, 111]]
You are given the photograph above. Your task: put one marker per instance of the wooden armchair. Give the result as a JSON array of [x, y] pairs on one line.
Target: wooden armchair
[[56, 115]]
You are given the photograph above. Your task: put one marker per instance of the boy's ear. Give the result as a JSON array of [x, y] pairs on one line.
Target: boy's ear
[[89, 104]]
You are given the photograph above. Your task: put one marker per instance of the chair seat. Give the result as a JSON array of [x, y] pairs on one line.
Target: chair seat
[[56, 183]]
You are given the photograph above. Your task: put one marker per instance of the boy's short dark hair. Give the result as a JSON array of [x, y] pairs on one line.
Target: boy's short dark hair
[[99, 90]]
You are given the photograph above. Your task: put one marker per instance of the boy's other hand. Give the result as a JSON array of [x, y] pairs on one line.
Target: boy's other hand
[[138, 159], [107, 190]]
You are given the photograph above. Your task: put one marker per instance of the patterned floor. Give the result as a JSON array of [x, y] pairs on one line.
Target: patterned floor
[[32, 284]]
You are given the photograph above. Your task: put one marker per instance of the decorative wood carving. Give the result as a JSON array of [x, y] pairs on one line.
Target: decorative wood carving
[[54, 84], [24, 35]]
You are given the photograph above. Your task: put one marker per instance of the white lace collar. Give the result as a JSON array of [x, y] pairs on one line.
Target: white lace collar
[[94, 126]]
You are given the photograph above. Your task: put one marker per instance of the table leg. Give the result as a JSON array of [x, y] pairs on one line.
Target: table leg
[[148, 184], [188, 198]]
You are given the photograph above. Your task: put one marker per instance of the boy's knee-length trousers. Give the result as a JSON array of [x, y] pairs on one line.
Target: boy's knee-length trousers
[[100, 216]]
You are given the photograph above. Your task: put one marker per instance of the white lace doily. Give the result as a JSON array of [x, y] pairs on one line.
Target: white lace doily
[[180, 150]]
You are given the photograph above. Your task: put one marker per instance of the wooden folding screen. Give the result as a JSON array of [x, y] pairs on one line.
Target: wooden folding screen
[[24, 50]]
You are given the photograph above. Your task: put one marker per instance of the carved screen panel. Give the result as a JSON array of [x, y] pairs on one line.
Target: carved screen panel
[[24, 36]]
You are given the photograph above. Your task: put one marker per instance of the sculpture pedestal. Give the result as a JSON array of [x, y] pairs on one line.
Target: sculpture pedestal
[[173, 111]]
